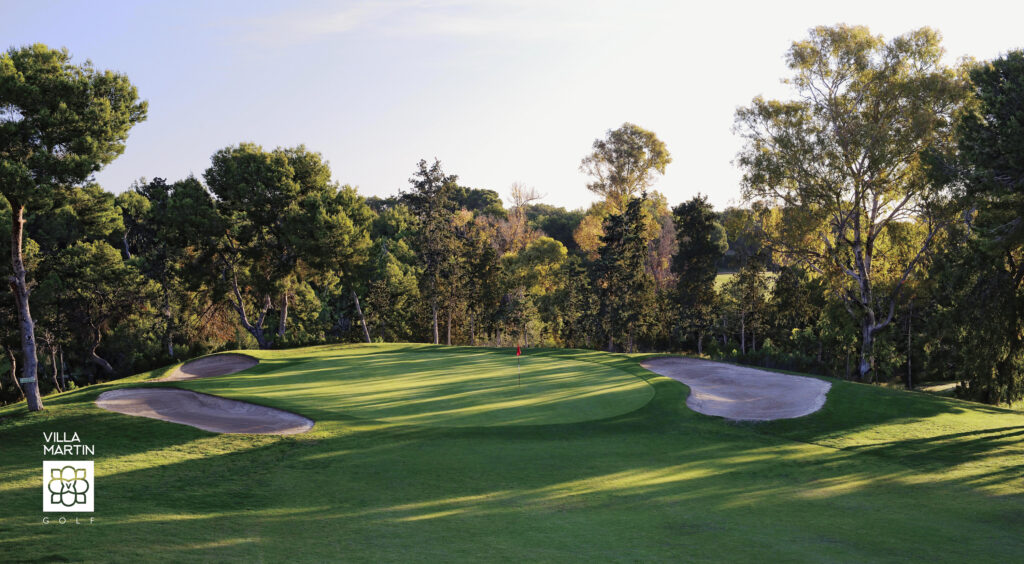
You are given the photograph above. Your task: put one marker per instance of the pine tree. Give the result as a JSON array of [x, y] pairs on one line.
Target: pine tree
[[625, 285]]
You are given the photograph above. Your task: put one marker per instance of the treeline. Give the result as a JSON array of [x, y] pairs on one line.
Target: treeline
[[881, 239]]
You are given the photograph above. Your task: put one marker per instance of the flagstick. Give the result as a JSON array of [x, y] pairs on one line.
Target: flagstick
[[519, 373]]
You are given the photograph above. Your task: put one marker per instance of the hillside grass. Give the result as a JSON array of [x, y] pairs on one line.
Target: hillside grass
[[877, 475]]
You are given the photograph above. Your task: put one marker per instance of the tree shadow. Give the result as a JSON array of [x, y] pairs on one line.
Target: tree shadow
[[658, 483]]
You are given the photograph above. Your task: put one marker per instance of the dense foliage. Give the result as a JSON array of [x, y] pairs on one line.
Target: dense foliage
[[859, 254]]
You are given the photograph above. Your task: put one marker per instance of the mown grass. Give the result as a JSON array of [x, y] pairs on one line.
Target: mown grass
[[877, 475], [421, 385]]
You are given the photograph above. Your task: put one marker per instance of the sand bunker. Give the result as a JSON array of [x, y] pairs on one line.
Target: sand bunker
[[741, 393], [217, 365], [210, 413]]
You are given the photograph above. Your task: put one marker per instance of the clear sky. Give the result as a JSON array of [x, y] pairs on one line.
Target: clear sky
[[499, 91]]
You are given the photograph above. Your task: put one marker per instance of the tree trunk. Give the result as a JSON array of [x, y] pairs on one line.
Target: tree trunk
[[433, 308], [97, 359], [743, 334], [611, 344], [362, 319], [449, 339], [169, 319], [282, 322], [53, 363], [472, 330], [254, 329], [700, 343], [866, 351], [910, 374], [19, 288], [14, 371], [63, 369]]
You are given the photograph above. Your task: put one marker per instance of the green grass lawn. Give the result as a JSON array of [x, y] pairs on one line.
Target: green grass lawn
[[432, 454]]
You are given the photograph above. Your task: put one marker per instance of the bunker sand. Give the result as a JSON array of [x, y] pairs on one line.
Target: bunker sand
[[216, 365], [204, 411], [741, 393]]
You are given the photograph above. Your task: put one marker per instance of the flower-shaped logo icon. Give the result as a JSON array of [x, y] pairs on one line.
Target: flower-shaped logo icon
[[68, 486]]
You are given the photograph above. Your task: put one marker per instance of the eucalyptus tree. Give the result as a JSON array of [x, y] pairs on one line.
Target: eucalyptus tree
[[842, 163], [59, 123], [625, 163]]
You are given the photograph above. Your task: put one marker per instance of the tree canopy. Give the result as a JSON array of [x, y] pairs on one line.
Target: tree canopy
[[843, 162], [59, 123]]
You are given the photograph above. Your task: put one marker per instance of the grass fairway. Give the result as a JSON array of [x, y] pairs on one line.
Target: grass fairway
[[593, 458]]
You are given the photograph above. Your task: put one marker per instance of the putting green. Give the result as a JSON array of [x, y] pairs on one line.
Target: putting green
[[435, 386]]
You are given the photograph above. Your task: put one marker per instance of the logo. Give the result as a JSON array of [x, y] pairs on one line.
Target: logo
[[68, 486]]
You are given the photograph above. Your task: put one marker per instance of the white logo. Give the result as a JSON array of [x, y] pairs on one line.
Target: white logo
[[68, 486]]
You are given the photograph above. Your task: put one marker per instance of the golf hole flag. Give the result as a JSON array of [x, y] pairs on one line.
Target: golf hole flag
[[519, 371]]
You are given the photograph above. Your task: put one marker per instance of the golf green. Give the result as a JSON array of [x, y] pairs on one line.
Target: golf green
[[424, 386]]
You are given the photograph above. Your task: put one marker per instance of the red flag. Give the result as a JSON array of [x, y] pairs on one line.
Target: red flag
[[518, 352]]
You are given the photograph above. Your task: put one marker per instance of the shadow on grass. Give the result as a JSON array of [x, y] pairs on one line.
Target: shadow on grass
[[658, 483]]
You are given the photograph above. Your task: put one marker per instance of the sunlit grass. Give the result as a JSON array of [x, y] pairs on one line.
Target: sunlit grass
[[430, 386], [429, 454]]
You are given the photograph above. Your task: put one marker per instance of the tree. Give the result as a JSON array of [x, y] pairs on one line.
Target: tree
[[624, 163], [279, 213], [745, 296], [984, 275], [796, 303], [991, 142], [483, 281], [843, 163], [163, 224], [71, 218], [97, 290], [479, 201], [625, 286], [59, 123], [430, 201], [701, 244], [393, 292], [555, 222], [533, 275], [577, 304], [515, 233]]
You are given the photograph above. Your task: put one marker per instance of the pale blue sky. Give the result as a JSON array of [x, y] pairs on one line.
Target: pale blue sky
[[499, 91]]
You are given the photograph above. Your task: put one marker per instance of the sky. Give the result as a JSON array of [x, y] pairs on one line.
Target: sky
[[500, 92]]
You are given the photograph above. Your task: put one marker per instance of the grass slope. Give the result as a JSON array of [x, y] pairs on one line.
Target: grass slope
[[877, 475]]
